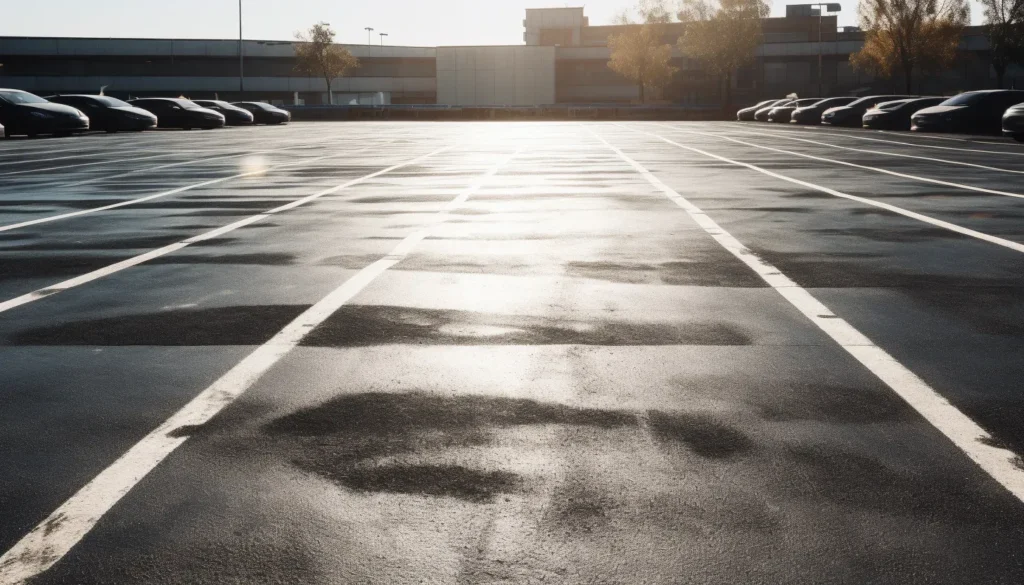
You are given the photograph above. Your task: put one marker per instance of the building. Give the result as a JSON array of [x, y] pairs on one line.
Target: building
[[563, 61]]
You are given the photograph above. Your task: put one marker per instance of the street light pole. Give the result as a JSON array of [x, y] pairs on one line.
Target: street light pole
[[241, 57], [368, 30], [382, 35], [822, 9]]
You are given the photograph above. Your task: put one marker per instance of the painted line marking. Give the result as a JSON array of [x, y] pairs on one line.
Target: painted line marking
[[788, 136], [973, 440], [93, 164], [855, 135], [63, 184], [52, 538], [1016, 246], [51, 290], [854, 165], [161, 194]]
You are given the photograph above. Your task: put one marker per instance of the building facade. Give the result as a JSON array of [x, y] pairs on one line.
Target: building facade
[[563, 61]]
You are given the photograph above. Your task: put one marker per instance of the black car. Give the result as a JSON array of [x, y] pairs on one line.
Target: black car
[[781, 114], [972, 111], [1013, 122], [895, 115], [762, 114], [107, 113], [811, 114], [852, 114], [747, 114], [25, 113], [265, 113], [179, 113], [233, 115]]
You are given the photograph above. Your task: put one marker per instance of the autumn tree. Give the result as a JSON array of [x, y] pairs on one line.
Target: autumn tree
[[722, 37], [640, 55], [1004, 23], [316, 54], [908, 36]]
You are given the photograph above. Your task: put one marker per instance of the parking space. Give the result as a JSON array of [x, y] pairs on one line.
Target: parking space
[[511, 352]]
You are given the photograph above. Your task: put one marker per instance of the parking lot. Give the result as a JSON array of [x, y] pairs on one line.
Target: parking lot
[[639, 352]]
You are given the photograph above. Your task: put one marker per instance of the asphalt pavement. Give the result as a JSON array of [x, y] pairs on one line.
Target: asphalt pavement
[[482, 353]]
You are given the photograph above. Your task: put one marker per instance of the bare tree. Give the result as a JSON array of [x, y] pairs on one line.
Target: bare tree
[[316, 54], [909, 36], [640, 55], [722, 37], [1004, 23]]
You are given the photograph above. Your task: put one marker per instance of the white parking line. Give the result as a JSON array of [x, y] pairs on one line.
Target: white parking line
[[1016, 246], [146, 257], [95, 163], [137, 200], [855, 165], [955, 425], [789, 136], [855, 135], [49, 541]]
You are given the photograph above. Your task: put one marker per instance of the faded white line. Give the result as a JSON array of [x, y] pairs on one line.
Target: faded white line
[[789, 136], [955, 425], [855, 135], [854, 165], [93, 164], [49, 541], [137, 200], [146, 257], [1016, 246]]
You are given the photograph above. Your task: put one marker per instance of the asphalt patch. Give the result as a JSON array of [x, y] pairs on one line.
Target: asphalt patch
[[724, 272], [701, 433], [235, 325], [381, 442]]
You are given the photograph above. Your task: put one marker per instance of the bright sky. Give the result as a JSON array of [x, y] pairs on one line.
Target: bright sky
[[407, 22]]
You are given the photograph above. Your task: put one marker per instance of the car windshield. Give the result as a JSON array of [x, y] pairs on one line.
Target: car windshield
[[965, 99], [21, 97], [893, 105], [111, 102], [805, 102]]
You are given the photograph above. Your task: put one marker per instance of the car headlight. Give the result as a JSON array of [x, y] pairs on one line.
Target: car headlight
[[42, 115]]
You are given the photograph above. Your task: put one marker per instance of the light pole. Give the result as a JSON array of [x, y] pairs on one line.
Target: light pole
[[822, 8], [368, 30], [382, 35], [241, 62]]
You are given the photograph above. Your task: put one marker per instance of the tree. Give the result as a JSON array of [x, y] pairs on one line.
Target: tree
[[316, 54], [909, 36], [1004, 23], [639, 55], [722, 37]]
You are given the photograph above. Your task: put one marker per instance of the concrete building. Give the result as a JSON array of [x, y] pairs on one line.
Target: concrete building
[[563, 61]]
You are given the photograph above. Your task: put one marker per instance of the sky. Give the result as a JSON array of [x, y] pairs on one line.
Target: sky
[[408, 22]]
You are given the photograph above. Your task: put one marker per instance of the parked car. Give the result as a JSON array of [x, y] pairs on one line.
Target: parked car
[[179, 113], [233, 115], [895, 115], [3, 131], [107, 113], [972, 111], [762, 114], [811, 114], [1013, 122], [25, 113], [852, 114], [266, 113], [747, 114], [781, 114]]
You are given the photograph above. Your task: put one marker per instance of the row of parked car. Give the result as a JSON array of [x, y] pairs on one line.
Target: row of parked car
[[987, 111], [24, 113]]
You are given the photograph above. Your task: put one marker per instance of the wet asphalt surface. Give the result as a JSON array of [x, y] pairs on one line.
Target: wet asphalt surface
[[567, 381]]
